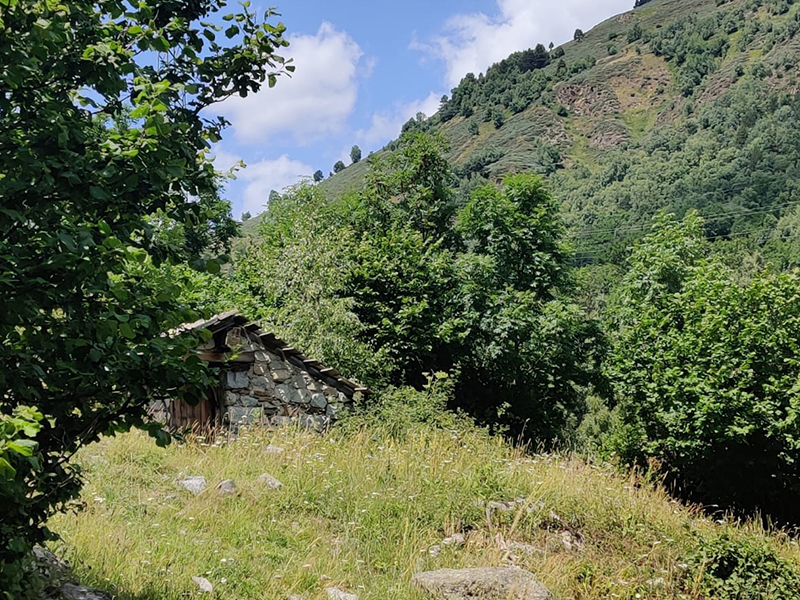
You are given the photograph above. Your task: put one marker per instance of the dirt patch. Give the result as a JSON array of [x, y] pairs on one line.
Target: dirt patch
[[604, 134], [588, 99]]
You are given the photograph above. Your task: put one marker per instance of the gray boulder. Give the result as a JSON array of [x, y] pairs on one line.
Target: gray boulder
[[269, 481], [203, 584], [486, 583], [195, 484], [227, 486], [51, 570]]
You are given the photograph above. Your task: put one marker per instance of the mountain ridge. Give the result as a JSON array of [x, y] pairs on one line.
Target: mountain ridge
[[654, 81]]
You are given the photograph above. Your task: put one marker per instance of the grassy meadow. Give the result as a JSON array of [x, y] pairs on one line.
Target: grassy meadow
[[363, 510]]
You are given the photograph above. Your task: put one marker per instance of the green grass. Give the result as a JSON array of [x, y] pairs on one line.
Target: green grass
[[361, 510]]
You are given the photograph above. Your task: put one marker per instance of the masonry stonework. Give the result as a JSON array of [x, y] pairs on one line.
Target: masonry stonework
[[273, 390]]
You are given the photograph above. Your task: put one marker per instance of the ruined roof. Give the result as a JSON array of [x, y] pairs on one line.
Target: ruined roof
[[229, 319]]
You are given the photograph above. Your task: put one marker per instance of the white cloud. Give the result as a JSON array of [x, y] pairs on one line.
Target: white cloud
[[386, 125], [266, 175], [472, 42], [315, 101]]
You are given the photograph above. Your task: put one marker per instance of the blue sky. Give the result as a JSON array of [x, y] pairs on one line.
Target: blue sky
[[365, 67]]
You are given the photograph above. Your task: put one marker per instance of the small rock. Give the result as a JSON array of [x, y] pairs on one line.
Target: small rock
[[249, 401], [457, 539], [228, 486], [570, 541], [294, 597], [269, 481], [195, 484], [318, 401], [526, 549], [507, 506], [280, 375], [486, 583], [204, 584], [70, 591], [273, 450], [337, 594]]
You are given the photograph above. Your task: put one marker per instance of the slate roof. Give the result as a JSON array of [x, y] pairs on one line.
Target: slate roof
[[230, 319]]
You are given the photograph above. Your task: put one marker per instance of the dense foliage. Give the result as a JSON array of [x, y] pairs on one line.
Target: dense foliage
[[706, 370], [402, 279], [101, 148]]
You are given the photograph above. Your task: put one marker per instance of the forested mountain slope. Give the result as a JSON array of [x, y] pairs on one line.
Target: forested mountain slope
[[676, 104]]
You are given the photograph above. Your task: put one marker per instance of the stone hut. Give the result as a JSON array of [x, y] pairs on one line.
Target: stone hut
[[263, 380]]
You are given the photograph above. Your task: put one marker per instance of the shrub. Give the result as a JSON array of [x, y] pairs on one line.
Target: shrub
[[725, 568], [706, 369], [399, 410]]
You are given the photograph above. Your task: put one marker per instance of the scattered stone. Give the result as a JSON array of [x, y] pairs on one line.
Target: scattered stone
[[506, 506], [273, 449], [314, 422], [260, 368], [261, 357], [282, 421], [486, 583], [71, 591], [457, 539], [269, 481], [204, 584], [303, 396], [228, 486], [286, 393], [263, 386], [195, 484], [337, 594], [525, 549], [280, 375], [571, 541]]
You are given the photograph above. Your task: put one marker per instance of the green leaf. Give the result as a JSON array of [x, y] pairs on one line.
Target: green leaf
[[23, 447], [126, 331], [7, 472]]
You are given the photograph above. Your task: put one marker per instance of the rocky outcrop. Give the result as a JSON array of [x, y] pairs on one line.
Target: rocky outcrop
[[486, 583], [58, 581]]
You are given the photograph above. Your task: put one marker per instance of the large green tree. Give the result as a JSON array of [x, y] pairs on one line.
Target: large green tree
[[105, 128], [705, 365], [398, 281]]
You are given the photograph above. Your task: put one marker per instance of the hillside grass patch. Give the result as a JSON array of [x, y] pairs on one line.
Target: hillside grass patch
[[361, 510]]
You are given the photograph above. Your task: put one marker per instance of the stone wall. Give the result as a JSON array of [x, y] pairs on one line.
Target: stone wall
[[271, 389]]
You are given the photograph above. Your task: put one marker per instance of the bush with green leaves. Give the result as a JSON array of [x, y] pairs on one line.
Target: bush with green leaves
[[725, 568], [706, 368], [102, 153]]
